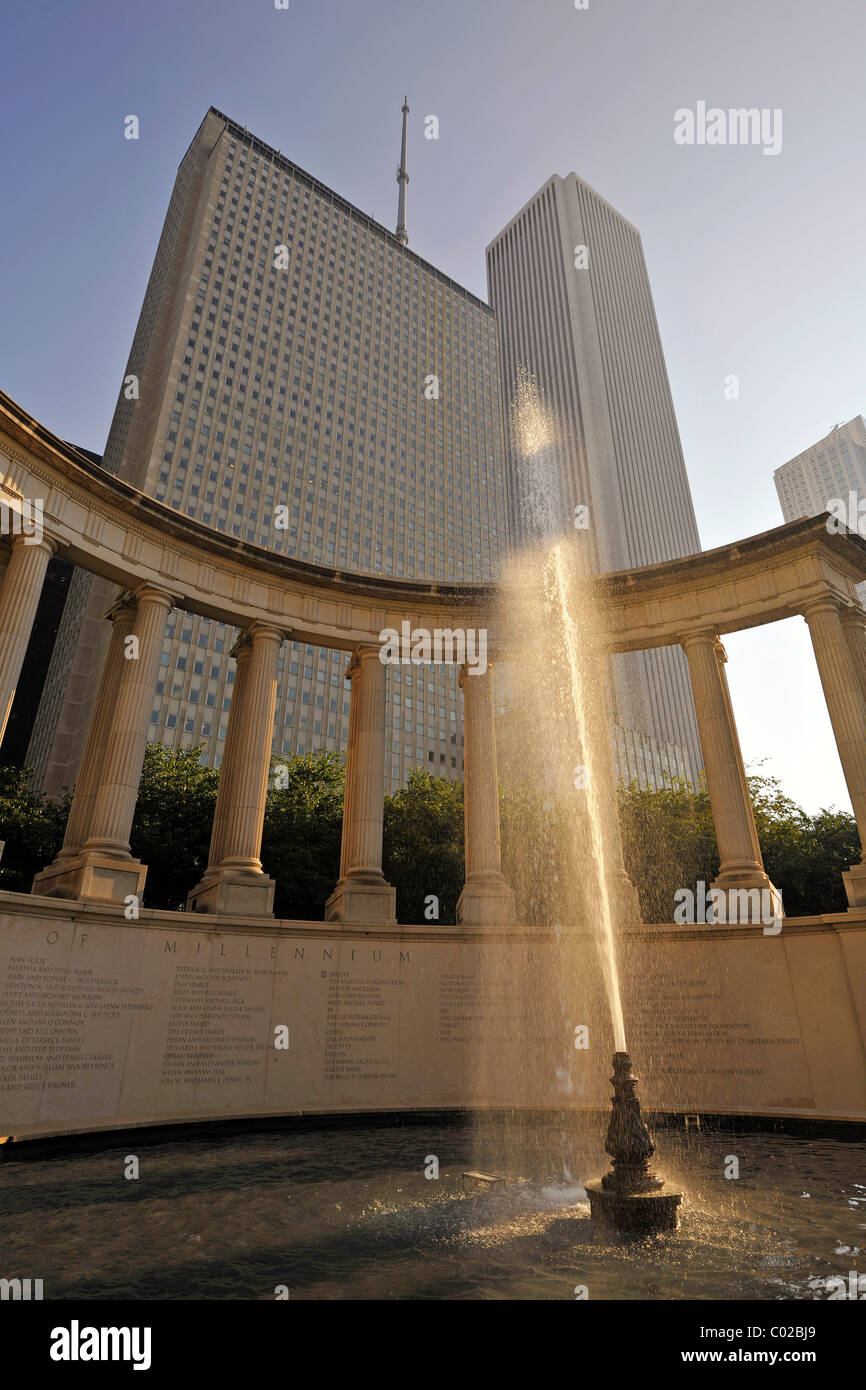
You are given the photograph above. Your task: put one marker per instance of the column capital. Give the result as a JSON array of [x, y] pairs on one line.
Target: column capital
[[44, 542], [700, 637], [827, 602], [261, 628], [153, 593], [853, 615], [364, 652], [124, 607], [468, 672], [242, 646]]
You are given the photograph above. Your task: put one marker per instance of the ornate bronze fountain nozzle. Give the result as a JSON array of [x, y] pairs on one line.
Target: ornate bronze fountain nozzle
[[630, 1198]]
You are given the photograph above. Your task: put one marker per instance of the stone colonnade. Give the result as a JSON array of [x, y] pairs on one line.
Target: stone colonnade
[[96, 864], [838, 633]]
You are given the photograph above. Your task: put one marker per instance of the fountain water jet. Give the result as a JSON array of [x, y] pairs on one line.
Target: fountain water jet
[[562, 684], [556, 585]]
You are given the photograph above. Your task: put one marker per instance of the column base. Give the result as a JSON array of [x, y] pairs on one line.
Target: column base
[[855, 885], [92, 876], [750, 898], [354, 900], [233, 892], [486, 903]]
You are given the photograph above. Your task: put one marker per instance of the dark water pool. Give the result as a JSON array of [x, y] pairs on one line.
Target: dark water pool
[[349, 1214]]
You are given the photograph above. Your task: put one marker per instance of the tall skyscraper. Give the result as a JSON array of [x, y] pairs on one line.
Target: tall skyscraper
[[824, 473], [832, 468], [302, 380], [569, 287]]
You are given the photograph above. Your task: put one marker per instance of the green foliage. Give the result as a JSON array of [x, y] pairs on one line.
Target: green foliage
[[423, 845], [804, 855], [669, 842], [172, 826], [535, 850], [32, 826], [302, 832]]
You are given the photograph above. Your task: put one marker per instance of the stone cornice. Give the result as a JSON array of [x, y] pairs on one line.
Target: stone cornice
[[104, 524]]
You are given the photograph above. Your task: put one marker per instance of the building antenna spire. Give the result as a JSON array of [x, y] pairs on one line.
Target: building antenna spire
[[402, 179]]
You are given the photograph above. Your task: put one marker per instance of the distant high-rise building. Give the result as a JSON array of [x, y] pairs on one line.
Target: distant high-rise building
[[825, 473], [830, 469], [574, 310], [302, 380]]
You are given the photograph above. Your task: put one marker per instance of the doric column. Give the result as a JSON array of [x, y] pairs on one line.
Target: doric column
[[486, 898], [117, 793], [846, 705], [241, 652], [741, 868], [233, 881], [53, 881], [361, 894], [19, 598], [104, 870]]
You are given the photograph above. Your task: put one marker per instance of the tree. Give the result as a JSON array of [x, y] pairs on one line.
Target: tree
[[302, 832], [172, 826], [537, 852], [32, 826], [805, 856], [668, 842], [423, 846]]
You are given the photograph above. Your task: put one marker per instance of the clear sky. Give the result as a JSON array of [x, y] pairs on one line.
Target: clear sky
[[757, 262]]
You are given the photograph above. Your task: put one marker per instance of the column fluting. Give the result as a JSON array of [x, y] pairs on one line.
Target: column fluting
[[114, 804], [362, 893], [843, 694], [79, 824], [739, 850], [251, 752], [486, 897], [20, 592]]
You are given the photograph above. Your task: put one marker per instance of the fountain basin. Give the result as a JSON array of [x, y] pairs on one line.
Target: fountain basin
[[634, 1213], [339, 1212]]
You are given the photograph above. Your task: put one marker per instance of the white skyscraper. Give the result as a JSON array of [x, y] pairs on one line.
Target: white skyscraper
[[830, 469], [304, 382], [569, 287], [827, 472]]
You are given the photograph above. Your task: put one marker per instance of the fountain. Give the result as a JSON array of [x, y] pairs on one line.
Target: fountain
[[631, 1199], [563, 686]]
